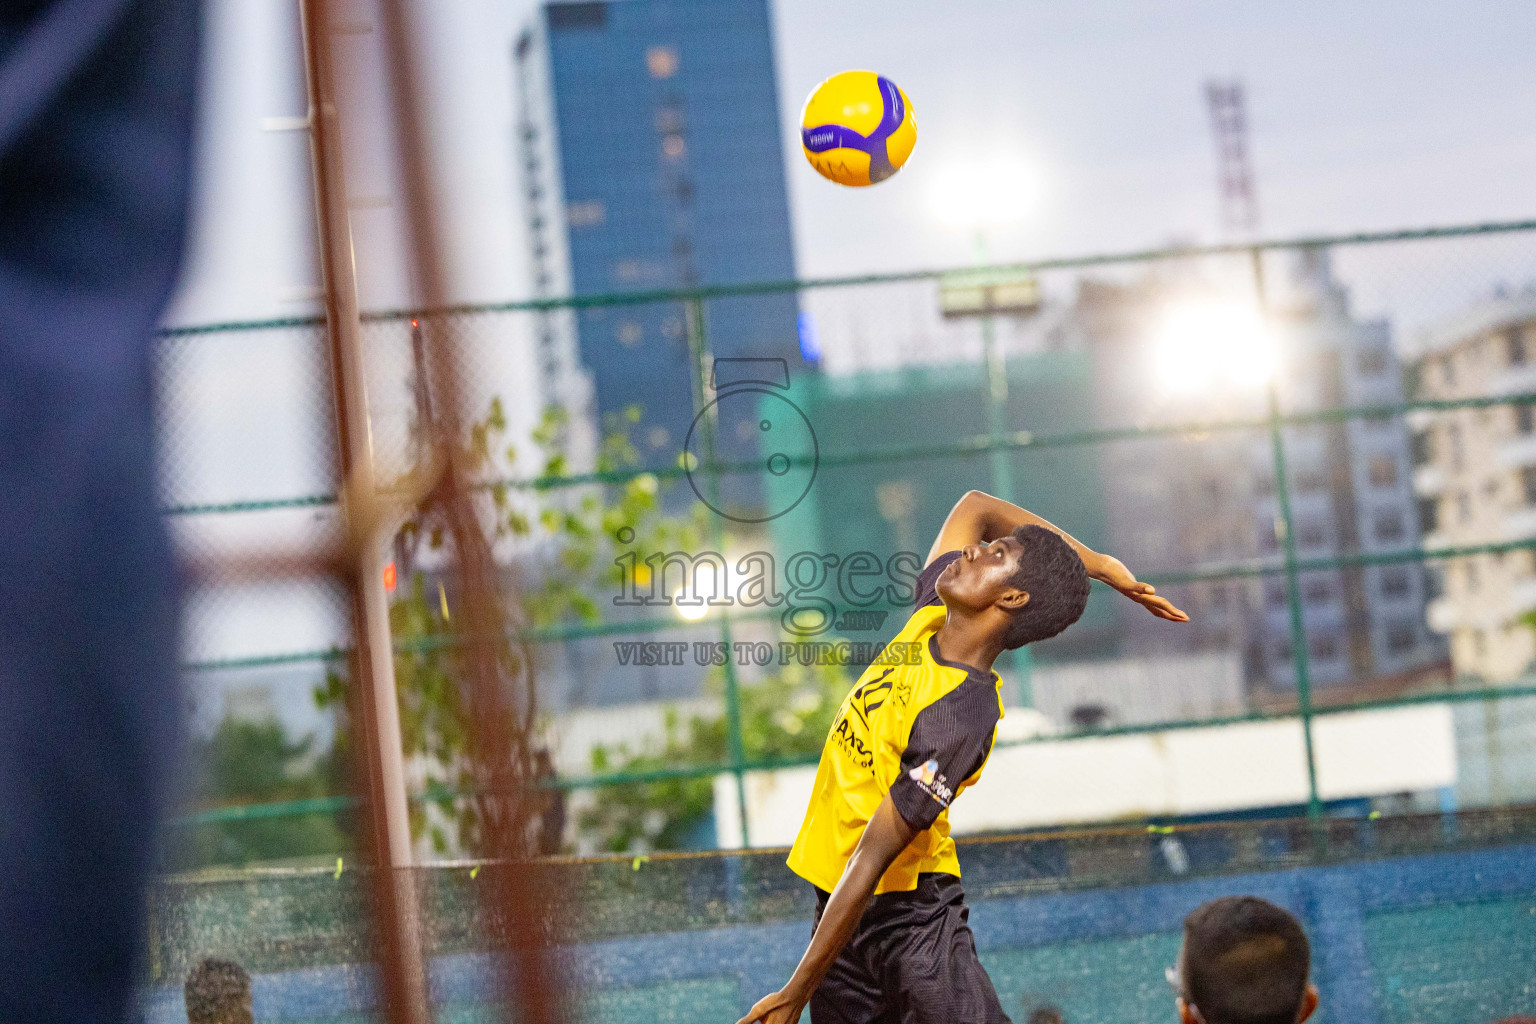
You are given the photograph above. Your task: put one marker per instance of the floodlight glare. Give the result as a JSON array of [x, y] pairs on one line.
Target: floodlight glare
[[982, 193], [691, 612], [1200, 346]]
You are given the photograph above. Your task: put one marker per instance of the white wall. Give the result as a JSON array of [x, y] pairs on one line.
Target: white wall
[[1187, 771]]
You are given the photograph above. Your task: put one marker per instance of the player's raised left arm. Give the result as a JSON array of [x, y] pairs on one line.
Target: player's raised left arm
[[886, 835], [980, 518]]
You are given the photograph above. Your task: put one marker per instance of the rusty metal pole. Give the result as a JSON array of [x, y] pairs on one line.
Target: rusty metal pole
[[375, 711], [514, 894]]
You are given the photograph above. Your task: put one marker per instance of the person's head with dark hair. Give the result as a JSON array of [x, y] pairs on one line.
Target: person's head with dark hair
[[1031, 581], [1244, 961], [1047, 1015], [218, 992]]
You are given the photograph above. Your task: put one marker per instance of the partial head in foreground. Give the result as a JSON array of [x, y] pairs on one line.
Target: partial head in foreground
[[218, 992], [1031, 581], [1244, 961]]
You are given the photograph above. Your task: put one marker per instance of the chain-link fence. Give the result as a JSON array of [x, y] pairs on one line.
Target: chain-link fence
[[1318, 448], [713, 504]]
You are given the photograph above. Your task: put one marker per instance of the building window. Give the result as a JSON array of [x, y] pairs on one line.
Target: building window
[[1429, 515], [1528, 484], [1283, 652], [1220, 596], [1383, 471], [1323, 648], [1274, 593], [1453, 441], [1434, 582], [588, 214], [577, 15], [1309, 481], [632, 270], [1525, 419], [1473, 577], [1402, 635], [1448, 371], [1311, 535], [1514, 345], [1372, 361], [1264, 486], [661, 61], [1464, 503], [1389, 527], [1395, 582], [1422, 448], [1319, 592]]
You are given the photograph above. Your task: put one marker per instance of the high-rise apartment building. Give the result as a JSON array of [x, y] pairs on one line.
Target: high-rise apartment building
[[1351, 491], [1210, 498], [1475, 475], [652, 159]]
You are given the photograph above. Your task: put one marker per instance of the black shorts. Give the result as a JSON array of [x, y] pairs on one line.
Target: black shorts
[[911, 961]]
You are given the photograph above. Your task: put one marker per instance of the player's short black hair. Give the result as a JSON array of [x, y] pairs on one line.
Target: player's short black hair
[[1245, 962], [216, 992], [1057, 584]]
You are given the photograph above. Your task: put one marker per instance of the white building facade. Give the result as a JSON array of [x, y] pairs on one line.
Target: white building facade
[[1475, 477]]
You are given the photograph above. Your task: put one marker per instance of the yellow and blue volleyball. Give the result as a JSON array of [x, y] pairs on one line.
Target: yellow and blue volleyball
[[857, 128]]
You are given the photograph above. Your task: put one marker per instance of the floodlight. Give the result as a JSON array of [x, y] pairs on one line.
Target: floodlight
[[982, 193], [1200, 346]]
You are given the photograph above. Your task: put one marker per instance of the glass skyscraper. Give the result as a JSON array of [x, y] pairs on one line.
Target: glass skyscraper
[[653, 159]]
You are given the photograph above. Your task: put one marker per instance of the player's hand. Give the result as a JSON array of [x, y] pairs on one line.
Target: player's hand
[[783, 1007], [1109, 569]]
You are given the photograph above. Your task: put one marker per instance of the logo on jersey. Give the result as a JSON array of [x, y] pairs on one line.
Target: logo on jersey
[[870, 697], [933, 782], [846, 735]]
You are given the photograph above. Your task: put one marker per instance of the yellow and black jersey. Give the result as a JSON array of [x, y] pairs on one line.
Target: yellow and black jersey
[[918, 727]]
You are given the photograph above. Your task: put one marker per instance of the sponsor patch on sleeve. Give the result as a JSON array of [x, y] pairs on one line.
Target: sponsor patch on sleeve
[[932, 782]]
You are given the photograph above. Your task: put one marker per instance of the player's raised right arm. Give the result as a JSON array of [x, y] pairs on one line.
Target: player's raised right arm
[[980, 518]]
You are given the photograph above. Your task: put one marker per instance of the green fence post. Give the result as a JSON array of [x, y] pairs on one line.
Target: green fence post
[[1021, 661], [1292, 574], [997, 409], [698, 348]]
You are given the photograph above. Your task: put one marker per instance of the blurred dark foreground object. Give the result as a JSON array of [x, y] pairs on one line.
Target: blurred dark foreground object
[[217, 991], [96, 114]]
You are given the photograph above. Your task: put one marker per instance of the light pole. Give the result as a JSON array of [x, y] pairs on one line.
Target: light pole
[[997, 387], [975, 197]]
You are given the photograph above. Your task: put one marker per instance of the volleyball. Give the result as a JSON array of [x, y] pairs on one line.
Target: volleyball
[[857, 128]]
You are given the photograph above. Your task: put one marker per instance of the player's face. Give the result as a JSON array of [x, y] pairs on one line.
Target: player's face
[[979, 578]]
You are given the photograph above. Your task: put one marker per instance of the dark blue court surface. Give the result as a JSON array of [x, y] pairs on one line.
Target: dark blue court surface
[[1446, 938]]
